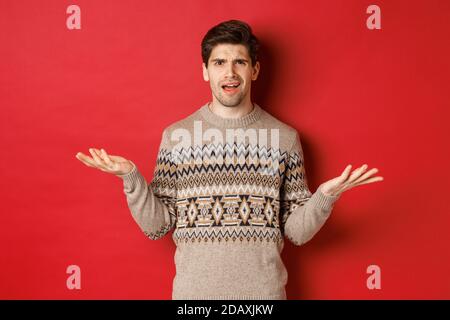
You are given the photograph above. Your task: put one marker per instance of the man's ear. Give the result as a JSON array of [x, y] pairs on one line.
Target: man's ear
[[256, 69], [205, 72]]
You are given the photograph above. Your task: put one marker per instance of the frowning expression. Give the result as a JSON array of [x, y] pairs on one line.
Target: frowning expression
[[230, 73]]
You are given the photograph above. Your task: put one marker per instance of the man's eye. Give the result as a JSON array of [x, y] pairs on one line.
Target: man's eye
[[219, 62]]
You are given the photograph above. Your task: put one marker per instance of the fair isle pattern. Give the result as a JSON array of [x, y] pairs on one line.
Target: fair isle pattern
[[227, 234], [163, 186], [295, 191], [229, 192]]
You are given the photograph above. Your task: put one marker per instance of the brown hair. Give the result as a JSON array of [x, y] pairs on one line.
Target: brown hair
[[233, 32]]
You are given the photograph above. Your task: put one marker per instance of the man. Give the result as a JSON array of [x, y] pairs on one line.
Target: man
[[230, 180]]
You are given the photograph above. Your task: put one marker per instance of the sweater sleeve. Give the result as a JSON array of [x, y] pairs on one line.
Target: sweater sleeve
[[303, 213], [153, 205]]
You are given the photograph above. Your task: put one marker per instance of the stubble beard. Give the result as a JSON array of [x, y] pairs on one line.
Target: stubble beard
[[232, 101]]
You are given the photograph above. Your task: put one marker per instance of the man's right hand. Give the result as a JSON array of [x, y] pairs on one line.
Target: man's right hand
[[107, 163]]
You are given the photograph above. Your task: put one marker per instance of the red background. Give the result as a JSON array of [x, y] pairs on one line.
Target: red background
[[355, 95]]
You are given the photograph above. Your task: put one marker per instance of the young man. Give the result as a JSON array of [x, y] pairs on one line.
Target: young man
[[230, 180]]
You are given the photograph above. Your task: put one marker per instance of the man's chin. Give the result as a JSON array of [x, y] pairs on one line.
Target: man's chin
[[230, 104]]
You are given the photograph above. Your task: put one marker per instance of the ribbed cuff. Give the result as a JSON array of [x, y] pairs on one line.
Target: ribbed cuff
[[131, 178], [322, 201]]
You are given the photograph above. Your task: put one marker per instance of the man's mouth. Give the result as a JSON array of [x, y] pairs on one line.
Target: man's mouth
[[231, 87]]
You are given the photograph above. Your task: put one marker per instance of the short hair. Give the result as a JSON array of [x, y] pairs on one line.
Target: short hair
[[232, 32]]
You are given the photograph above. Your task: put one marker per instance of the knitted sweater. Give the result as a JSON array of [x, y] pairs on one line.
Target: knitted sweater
[[231, 190]]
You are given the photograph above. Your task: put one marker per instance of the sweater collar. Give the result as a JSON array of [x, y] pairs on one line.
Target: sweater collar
[[222, 122]]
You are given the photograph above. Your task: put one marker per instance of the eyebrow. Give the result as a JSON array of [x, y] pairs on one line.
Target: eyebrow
[[238, 59]]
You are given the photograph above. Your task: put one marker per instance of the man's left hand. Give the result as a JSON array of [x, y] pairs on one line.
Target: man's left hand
[[347, 181]]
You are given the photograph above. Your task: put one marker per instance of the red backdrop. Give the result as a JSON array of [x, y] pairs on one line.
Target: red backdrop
[[355, 95]]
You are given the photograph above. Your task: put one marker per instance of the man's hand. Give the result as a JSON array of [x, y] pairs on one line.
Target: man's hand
[[107, 163], [347, 181]]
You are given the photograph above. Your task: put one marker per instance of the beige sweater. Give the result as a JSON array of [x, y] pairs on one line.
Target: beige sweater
[[230, 189]]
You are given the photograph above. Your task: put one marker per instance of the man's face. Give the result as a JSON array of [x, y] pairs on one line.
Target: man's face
[[230, 64]]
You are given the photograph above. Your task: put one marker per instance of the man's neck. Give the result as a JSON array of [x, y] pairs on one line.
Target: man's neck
[[231, 112]]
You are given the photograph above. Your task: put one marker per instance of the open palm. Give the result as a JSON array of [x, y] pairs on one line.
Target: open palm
[[108, 163], [347, 181]]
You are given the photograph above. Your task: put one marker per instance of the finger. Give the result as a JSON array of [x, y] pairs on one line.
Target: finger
[[97, 159], [366, 175], [357, 173], [108, 161], [85, 159], [371, 180], [340, 182], [101, 157], [345, 174]]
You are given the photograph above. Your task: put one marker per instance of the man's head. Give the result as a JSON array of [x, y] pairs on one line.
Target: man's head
[[230, 57]]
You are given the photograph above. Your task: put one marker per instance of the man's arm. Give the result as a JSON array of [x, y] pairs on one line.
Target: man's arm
[[303, 213], [307, 219], [153, 205]]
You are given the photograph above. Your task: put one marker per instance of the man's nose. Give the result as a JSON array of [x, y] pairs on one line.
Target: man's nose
[[230, 70]]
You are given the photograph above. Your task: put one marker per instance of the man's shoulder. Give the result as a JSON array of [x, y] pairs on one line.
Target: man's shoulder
[[172, 133], [184, 123], [287, 132], [271, 120]]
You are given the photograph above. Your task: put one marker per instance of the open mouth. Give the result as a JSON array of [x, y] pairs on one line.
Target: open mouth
[[231, 87]]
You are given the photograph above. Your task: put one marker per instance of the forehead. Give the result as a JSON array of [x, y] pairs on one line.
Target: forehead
[[225, 50]]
